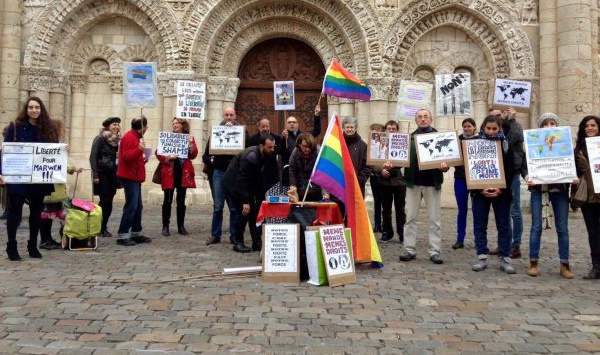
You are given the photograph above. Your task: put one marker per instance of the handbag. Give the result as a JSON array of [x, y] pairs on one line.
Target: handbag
[[580, 197], [157, 176]]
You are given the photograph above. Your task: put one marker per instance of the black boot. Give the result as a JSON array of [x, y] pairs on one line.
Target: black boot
[[377, 228], [240, 247], [12, 252], [165, 231], [33, 250], [594, 273], [181, 230], [181, 219]]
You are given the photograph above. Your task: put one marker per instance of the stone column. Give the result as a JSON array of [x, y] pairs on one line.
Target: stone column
[[548, 56], [10, 42], [56, 105], [575, 71]]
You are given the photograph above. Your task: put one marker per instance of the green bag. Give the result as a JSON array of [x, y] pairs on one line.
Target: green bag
[[80, 224], [59, 194], [314, 256]]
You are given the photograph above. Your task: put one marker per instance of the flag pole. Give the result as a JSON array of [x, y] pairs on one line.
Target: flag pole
[[305, 192]]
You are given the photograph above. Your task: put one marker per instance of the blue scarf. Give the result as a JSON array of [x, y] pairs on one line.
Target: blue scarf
[[498, 137]]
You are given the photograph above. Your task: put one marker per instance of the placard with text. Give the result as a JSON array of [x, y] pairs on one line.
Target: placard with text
[[338, 255], [384, 146], [549, 153], [281, 253], [227, 139], [34, 163], [171, 143], [433, 149], [483, 164]]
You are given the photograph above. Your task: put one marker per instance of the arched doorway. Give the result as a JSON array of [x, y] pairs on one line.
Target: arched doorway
[[275, 60]]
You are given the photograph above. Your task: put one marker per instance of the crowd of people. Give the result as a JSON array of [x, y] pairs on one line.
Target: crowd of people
[[242, 180]]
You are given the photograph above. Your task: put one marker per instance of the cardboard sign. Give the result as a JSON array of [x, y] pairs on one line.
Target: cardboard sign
[[436, 148], [593, 149], [171, 143], [191, 99], [453, 94], [34, 163], [512, 93], [283, 95], [337, 253], [227, 139], [483, 164], [281, 252], [412, 97], [549, 152], [384, 146]]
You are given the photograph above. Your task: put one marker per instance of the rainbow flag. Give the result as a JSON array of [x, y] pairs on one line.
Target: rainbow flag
[[340, 83], [334, 172]]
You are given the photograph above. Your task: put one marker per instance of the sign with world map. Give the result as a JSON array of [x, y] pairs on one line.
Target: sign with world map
[[512, 93], [550, 158], [436, 148]]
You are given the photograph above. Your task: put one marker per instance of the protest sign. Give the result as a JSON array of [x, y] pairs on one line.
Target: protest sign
[[139, 84], [281, 253], [412, 97], [227, 139], [549, 153], [191, 99], [483, 164], [593, 149], [384, 146], [512, 93], [34, 163], [453, 94], [337, 253], [283, 95], [171, 143], [436, 148]]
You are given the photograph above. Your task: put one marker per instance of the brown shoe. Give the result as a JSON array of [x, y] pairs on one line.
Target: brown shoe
[[515, 253], [213, 240], [493, 252], [565, 271]]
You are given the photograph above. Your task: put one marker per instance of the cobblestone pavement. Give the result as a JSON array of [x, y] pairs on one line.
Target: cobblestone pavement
[[149, 299]]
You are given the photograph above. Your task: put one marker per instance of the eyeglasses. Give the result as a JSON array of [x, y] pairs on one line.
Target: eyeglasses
[[292, 122]]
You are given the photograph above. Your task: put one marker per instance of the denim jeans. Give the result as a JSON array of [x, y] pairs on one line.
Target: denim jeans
[[220, 196], [560, 205], [481, 212], [132, 211], [462, 200], [515, 212]]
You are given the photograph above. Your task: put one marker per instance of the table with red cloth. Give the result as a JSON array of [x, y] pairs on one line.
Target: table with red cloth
[[328, 212]]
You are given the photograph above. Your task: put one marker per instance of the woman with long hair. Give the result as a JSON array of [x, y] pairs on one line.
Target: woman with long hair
[[33, 125], [177, 174]]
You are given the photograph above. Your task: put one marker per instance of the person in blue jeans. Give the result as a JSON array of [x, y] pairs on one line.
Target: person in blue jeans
[[460, 186], [498, 198], [559, 197]]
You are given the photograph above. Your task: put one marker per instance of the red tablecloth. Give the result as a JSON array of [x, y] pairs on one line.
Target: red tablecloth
[[326, 211]]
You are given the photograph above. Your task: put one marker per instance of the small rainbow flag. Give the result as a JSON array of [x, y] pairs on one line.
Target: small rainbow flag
[[334, 172], [138, 74], [341, 83]]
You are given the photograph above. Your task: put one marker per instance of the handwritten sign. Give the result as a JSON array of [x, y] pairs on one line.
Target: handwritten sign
[[283, 94], [34, 163], [227, 139], [338, 255], [171, 143], [453, 94], [384, 146], [281, 256], [549, 152], [512, 93], [435, 148], [191, 99], [483, 164], [412, 97], [139, 84]]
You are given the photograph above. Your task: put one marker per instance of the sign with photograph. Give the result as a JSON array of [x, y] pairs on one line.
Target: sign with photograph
[[549, 153], [453, 94], [34, 163], [191, 99], [283, 94], [337, 254], [512, 93], [593, 149], [392, 146], [139, 84], [436, 148], [483, 164], [171, 143], [227, 139], [412, 97], [281, 253]]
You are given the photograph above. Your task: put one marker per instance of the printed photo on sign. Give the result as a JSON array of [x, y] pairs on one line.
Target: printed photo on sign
[[549, 153], [139, 84], [412, 97], [512, 93], [483, 164], [593, 149], [453, 94], [227, 139], [384, 146], [34, 163], [435, 148], [284, 97], [191, 99], [171, 143], [336, 252]]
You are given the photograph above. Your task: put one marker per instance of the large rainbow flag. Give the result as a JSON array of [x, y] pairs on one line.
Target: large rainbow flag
[[334, 172], [340, 83]]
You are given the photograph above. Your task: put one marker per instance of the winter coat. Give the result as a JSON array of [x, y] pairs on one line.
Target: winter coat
[[167, 177], [132, 165]]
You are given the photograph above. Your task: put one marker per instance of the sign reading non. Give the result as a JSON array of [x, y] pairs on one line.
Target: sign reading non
[[388, 146], [227, 139], [281, 252], [483, 164], [191, 99], [171, 143], [453, 94], [34, 163], [338, 255]]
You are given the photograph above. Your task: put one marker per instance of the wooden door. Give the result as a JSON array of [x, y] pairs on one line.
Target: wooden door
[[278, 60]]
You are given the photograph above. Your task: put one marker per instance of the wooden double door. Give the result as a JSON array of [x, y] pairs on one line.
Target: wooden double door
[[280, 59]]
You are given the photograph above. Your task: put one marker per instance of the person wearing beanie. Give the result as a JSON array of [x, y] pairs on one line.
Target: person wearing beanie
[[558, 194]]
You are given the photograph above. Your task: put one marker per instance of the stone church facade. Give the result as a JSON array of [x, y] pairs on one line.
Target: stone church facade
[[70, 53]]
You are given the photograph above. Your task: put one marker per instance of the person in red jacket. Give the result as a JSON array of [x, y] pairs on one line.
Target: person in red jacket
[[177, 173], [131, 170]]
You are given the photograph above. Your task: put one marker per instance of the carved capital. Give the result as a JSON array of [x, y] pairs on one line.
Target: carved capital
[[78, 83]]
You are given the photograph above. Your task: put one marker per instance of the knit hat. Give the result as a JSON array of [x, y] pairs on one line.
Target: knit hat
[[545, 117], [107, 122]]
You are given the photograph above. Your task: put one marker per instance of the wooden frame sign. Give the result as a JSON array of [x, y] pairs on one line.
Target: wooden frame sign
[[339, 261], [281, 253], [384, 146], [512, 93], [436, 148], [227, 139], [483, 164]]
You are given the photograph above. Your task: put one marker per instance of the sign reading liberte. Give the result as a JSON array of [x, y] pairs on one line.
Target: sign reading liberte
[[34, 163]]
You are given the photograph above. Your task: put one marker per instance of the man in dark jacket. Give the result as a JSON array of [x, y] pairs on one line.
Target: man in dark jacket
[[264, 127], [291, 132], [243, 181]]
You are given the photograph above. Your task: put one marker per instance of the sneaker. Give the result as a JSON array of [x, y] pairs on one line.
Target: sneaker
[[458, 245], [436, 259], [141, 239], [125, 242], [50, 244], [506, 266], [407, 256], [386, 237], [480, 265]]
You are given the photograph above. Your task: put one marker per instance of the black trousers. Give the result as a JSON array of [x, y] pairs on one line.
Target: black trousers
[[250, 219], [168, 201], [591, 216], [16, 202], [106, 203], [397, 195]]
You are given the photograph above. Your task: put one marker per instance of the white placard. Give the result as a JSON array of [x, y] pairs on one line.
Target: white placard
[[392, 146], [227, 139], [281, 248], [512, 93], [593, 149], [549, 153], [139, 84], [283, 95], [170, 143], [453, 94], [191, 99], [34, 163], [412, 97], [438, 147]]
